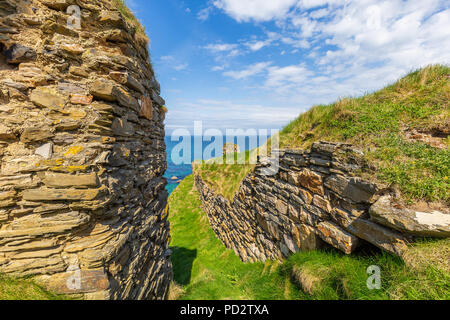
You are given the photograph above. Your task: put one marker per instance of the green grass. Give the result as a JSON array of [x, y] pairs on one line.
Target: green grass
[[139, 29], [378, 124], [12, 288], [205, 269], [222, 177]]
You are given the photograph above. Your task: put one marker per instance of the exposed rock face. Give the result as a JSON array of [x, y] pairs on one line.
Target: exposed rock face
[[82, 200], [314, 199]]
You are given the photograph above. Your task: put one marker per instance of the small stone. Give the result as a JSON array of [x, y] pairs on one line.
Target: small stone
[[45, 151], [72, 48], [45, 97], [103, 89], [57, 4], [337, 237], [113, 18], [355, 189], [35, 135], [81, 99], [157, 98], [60, 180], [6, 133], [311, 181], [146, 108], [18, 53], [60, 194], [122, 127], [78, 71], [281, 207]]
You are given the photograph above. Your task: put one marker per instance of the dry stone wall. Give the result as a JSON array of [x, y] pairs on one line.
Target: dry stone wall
[[83, 205], [315, 199]]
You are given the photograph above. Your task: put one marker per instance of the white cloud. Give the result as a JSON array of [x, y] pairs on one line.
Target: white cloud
[[237, 115], [257, 10], [221, 47], [354, 46], [252, 70], [204, 13]]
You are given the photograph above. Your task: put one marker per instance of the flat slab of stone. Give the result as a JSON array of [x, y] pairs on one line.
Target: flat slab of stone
[[432, 224], [47, 98], [61, 180], [337, 237], [45, 194], [355, 189], [78, 281], [379, 236]]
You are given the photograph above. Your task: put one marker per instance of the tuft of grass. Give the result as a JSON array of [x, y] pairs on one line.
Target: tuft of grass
[[12, 288], [205, 270], [140, 35], [378, 124]]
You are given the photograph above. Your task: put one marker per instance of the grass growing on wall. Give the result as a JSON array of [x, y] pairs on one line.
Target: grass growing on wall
[[378, 124], [24, 289], [140, 35], [225, 178], [205, 269]]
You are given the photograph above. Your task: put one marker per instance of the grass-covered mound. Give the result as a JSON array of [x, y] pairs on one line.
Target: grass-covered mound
[[402, 130], [205, 269], [12, 288]]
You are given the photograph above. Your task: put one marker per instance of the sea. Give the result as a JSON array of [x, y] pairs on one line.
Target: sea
[[177, 172]]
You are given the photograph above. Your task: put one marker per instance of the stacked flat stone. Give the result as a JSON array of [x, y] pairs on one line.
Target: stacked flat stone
[[82, 153], [315, 199]]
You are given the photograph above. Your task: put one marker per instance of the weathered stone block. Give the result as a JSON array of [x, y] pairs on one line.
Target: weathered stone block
[[35, 135], [45, 194], [433, 224], [146, 108], [379, 236], [78, 281], [46, 97], [18, 53], [337, 237], [355, 189], [311, 181], [60, 180]]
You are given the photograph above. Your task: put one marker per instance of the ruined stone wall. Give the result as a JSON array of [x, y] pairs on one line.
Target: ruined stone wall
[[83, 205], [315, 199]]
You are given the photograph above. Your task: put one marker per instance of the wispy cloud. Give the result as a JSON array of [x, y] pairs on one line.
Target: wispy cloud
[[252, 70]]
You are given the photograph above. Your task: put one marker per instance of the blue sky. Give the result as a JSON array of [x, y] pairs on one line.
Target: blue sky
[[260, 63]]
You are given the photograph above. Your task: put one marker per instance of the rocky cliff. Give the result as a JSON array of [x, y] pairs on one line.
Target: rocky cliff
[[82, 200], [316, 198]]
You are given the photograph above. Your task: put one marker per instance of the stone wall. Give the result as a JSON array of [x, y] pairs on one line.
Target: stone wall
[[315, 199], [83, 205]]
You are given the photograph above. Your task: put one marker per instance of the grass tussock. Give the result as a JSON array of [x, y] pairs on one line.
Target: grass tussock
[[12, 288], [140, 35], [381, 125], [205, 269]]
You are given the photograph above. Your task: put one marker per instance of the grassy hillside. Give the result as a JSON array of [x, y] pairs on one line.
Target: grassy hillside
[[24, 289], [385, 125], [205, 269]]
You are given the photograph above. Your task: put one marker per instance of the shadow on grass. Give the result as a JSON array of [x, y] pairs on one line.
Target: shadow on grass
[[182, 260]]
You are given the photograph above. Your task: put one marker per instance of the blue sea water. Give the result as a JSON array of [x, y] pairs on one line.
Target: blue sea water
[[176, 173]]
